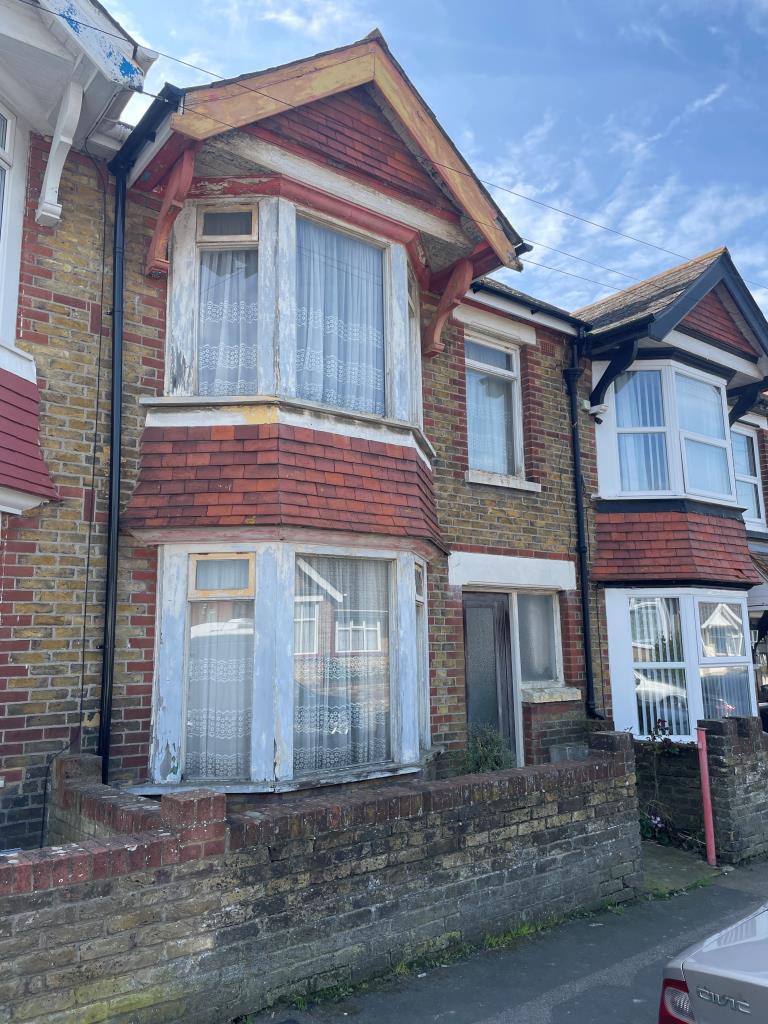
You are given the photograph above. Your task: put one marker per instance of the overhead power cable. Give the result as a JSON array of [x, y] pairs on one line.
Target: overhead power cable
[[456, 170]]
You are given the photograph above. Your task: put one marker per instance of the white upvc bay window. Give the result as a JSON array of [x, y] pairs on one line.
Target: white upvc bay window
[[676, 656], [666, 433], [270, 299], [280, 664]]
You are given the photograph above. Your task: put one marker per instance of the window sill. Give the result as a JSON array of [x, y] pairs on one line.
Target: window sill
[[287, 786], [171, 403], [511, 483], [554, 693]]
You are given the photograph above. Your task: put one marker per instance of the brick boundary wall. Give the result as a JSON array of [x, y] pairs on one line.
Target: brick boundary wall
[[737, 755], [201, 919]]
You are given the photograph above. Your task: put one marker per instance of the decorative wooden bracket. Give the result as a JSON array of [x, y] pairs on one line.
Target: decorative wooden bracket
[[49, 208], [176, 191], [458, 283]]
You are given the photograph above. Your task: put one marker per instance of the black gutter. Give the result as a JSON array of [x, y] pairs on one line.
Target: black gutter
[[572, 375], [120, 167]]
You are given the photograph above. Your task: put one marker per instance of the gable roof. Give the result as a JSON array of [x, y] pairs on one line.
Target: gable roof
[[212, 110], [657, 305]]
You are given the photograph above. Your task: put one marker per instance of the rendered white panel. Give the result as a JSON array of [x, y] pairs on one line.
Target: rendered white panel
[[469, 568]]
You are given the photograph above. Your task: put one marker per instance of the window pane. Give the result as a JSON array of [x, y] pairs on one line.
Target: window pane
[[699, 407], [339, 320], [221, 574], [486, 354], [228, 316], [656, 632], [490, 423], [707, 467], [219, 686], [3, 132], [305, 627], [238, 222], [722, 629], [743, 454], [725, 690], [536, 633], [747, 497], [639, 399], [342, 706], [643, 461], [480, 651], [662, 701]]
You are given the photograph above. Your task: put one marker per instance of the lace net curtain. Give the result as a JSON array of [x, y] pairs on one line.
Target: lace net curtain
[[342, 705], [339, 320], [220, 676], [227, 321]]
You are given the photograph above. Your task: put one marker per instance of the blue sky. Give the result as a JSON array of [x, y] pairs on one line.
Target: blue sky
[[646, 116]]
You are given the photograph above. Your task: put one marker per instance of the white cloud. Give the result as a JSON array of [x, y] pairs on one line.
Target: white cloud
[[317, 19]]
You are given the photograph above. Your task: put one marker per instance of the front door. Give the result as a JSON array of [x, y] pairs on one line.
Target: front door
[[488, 664]]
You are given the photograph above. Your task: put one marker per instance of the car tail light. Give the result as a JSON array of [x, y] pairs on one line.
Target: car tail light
[[675, 1003]]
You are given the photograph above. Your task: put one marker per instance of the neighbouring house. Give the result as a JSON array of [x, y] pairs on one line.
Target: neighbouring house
[[680, 362], [66, 72]]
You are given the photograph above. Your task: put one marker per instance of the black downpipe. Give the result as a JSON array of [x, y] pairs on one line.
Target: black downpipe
[[115, 465], [572, 375]]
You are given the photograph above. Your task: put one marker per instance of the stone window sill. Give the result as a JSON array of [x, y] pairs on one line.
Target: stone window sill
[[550, 694], [511, 483]]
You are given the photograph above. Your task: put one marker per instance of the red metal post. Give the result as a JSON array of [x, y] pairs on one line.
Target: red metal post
[[706, 796]]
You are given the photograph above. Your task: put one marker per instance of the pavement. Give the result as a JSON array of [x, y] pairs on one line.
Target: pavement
[[603, 969]]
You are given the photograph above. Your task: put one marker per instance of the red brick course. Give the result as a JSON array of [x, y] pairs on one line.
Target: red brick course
[[273, 474], [672, 546], [22, 466]]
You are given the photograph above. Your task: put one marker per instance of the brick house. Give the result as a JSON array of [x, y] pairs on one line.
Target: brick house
[[679, 366], [347, 525], [66, 79]]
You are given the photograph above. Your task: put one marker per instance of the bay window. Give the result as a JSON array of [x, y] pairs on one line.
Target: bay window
[[278, 665], [268, 300], [671, 435], [677, 656], [746, 467]]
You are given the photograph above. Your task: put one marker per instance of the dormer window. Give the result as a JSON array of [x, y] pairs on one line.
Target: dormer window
[[671, 427]]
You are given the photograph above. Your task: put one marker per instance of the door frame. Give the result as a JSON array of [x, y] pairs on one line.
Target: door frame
[[510, 709]]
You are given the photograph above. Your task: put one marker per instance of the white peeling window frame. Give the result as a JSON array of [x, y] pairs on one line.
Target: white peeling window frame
[[273, 676], [620, 651], [558, 680], [755, 479], [277, 291], [608, 434]]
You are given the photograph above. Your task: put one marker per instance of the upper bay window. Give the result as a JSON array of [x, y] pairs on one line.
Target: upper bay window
[[296, 665], [290, 305], [672, 436]]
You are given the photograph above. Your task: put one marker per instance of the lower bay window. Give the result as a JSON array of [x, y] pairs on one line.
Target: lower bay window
[[677, 656], [281, 665]]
